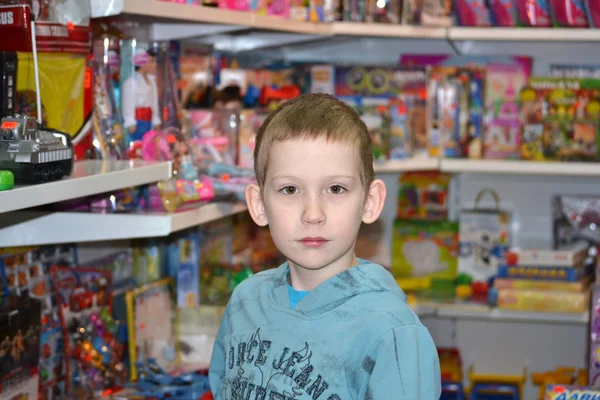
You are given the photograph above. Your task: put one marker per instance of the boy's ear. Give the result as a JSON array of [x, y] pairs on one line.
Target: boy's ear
[[255, 204], [374, 202]]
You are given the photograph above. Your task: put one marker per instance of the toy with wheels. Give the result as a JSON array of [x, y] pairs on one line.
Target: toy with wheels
[[496, 387]]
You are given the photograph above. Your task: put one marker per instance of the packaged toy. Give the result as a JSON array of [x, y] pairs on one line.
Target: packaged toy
[[139, 89], [503, 13], [428, 12], [574, 218], [311, 10], [569, 13], [183, 265], [532, 117], [562, 392], [19, 347], [562, 274], [503, 124], [574, 71], [377, 118], [215, 262], [484, 385], [542, 301], [149, 257], [472, 13], [354, 10], [94, 355], [535, 13], [531, 284], [425, 249], [195, 70], [593, 13], [214, 134], [484, 238], [278, 8], [423, 195], [386, 11], [250, 122], [152, 322]]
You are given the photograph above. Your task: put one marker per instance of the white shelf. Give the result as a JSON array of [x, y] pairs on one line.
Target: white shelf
[[166, 12], [387, 30], [38, 228], [89, 177], [483, 312], [411, 164], [520, 167], [525, 34]]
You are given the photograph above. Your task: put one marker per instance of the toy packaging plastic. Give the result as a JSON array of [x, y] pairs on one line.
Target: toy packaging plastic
[[149, 255], [214, 134], [19, 347], [425, 249], [94, 355], [575, 217], [562, 392], [484, 238], [183, 267], [152, 325], [569, 13], [534, 13], [428, 12], [542, 301], [377, 118], [594, 344], [472, 13], [423, 195], [503, 13], [215, 262], [593, 13]]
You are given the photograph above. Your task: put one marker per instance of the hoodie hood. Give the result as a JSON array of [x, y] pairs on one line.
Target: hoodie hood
[[363, 278]]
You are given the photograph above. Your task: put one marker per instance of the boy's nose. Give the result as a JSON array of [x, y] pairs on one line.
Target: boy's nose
[[313, 212]]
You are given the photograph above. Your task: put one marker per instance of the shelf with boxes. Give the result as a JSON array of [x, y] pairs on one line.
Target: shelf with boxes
[[89, 177], [164, 12]]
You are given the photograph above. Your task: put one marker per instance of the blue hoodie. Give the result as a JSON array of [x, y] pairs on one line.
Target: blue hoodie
[[352, 337]]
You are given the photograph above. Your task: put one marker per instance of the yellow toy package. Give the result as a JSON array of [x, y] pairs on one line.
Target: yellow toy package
[[62, 87], [423, 195]]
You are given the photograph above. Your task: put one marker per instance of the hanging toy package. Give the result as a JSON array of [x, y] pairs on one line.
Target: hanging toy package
[[503, 13], [472, 13], [593, 12], [569, 13], [533, 13]]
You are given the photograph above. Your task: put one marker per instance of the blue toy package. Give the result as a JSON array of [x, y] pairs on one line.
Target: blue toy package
[[183, 260]]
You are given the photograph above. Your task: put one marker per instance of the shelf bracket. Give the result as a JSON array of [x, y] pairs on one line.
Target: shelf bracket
[[452, 44]]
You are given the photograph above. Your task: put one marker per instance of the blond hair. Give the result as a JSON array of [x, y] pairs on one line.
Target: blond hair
[[314, 116]]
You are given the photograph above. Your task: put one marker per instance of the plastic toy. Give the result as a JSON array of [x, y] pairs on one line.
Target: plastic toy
[[7, 180], [510, 386]]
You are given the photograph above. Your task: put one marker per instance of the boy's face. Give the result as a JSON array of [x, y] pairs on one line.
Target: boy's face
[[313, 201]]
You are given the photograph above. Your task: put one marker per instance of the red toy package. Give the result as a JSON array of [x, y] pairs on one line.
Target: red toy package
[[94, 356], [473, 13], [569, 13], [533, 13]]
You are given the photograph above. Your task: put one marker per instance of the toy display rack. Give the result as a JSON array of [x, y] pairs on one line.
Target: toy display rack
[[165, 14]]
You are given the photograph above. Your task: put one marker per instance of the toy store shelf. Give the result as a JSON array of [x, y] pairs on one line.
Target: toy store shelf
[[481, 312], [388, 30], [163, 11], [411, 164], [89, 177], [39, 228], [520, 167], [524, 34]]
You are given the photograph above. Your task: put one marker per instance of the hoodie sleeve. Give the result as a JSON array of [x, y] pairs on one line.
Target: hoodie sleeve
[[217, 362], [403, 365]]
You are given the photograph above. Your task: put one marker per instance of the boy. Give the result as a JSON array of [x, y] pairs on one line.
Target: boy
[[324, 325]]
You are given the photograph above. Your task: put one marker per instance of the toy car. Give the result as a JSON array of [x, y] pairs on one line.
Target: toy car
[[81, 299]]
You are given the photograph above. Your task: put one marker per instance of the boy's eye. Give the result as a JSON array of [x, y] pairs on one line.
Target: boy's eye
[[336, 189], [289, 190]]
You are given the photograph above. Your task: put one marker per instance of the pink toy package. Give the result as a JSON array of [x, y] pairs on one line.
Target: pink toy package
[[593, 11], [472, 13], [278, 8], [504, 12], [240, 5], [569, 13], [533, 13]]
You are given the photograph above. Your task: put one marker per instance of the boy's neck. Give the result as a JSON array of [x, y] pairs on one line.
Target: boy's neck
[[304, 279]]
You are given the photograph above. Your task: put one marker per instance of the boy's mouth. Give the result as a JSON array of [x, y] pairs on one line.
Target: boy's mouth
[[313, 242]]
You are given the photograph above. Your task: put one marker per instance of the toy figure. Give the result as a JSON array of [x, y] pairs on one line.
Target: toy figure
[[139, 96], [18, 346]]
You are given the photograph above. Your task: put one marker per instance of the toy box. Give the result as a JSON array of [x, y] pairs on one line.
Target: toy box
[[562, 392], [377, 118], [428, 13], [425, 249], [561, 116], [542, 300], [216, 254], [423, 195], [484, 238], [152, 325], [214, 134], [149, 259], [183, 267], [20, 318]]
